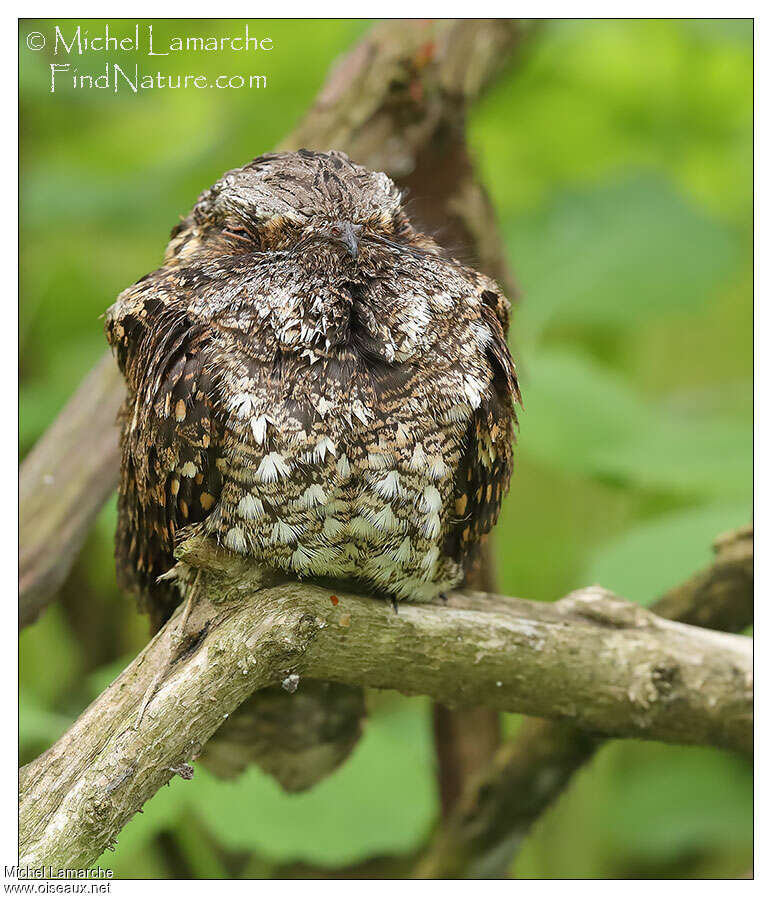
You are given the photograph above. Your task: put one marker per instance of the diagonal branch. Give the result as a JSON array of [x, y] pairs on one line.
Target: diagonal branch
[[591, 659], [63, 483], [497, 811]]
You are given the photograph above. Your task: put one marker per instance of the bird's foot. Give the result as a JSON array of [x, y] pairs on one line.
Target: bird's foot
[[395, 606]]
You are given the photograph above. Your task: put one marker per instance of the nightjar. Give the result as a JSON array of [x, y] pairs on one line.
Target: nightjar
[[313, 383]]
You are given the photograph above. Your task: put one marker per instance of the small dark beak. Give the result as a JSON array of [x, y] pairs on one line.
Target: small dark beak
[[350, 237]]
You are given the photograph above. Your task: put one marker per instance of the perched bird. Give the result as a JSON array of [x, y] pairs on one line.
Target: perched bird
[[312, 383]]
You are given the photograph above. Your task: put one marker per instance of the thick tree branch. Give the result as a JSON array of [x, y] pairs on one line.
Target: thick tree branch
[[63, 483], [590, 659], [495, 814], [396, 102]]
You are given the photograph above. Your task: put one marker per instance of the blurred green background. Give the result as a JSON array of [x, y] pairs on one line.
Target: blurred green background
[[619, 157]]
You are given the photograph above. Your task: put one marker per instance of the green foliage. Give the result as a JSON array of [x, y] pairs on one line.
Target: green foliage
[[39, 725], [381, 802], [642, 809], [618, 154], [614, 255], [642, 563], [585, 419]]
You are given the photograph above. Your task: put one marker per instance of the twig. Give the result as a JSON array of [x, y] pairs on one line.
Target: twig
[[592, 659], [722, 595], [498, 809]]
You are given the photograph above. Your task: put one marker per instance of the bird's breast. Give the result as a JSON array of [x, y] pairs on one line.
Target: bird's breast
[[353, 489]]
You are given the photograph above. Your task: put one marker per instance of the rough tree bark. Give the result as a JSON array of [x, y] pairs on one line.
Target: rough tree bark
[[592, 659], [63, 483]]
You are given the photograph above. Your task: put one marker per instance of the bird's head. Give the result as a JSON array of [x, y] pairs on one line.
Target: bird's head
[[296, 203], [318, 252]]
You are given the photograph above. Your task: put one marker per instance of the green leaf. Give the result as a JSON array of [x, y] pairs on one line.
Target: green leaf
[[654, 556], [645, 809], [690, 453], [38, 724], [583, 418], [49, 657], [592, 98], [618, 253], [682, 799], [549, 522], [382, 801]]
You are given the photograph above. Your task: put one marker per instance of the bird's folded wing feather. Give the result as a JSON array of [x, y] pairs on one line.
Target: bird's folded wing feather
[[169, 478], [484, 473]]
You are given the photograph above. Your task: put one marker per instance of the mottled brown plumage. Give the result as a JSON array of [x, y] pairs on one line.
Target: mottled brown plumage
[[313, 383]]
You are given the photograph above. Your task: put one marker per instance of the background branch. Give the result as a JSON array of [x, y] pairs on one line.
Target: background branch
[[494, 816], [63, 483], [590, 658]]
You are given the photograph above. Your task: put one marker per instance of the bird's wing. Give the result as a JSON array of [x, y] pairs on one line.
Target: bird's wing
[[169, 478], [487, 462]]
